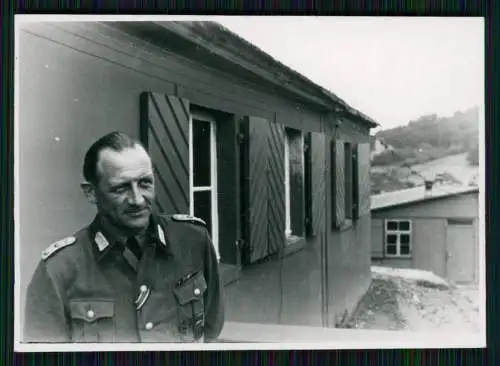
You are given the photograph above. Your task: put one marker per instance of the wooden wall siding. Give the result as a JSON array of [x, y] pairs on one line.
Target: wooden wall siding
[[165, 133], [318, 184], [348, 130], [276, 187], [338, 178], [258, 194], [364, 178]]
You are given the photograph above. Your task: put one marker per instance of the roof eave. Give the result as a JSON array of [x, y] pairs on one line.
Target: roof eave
[[286, 78], [424, 199]]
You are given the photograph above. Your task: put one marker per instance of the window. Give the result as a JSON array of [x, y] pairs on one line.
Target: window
[[398, 238], [294, 182], [203, 173]]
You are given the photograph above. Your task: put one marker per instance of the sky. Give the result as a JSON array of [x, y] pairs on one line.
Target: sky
[[392, 69]]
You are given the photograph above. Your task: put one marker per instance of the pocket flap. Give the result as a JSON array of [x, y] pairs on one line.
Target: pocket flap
[[92, 310], [191, 290]]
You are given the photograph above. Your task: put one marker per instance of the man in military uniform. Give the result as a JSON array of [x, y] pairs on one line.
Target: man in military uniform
[[132, 275]]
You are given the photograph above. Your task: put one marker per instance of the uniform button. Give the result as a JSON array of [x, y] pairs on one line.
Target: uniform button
[[149, 325], [196, 291], [144, 288], [90, 314]]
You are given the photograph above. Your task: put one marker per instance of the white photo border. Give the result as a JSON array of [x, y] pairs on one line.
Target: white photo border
[[344, 339]]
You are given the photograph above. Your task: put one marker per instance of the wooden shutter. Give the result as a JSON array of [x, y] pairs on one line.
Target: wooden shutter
[[338, 183], [276, 188], [348, 182], [165, 135], [364, 180], [265, 188], [257, 238], [355, 182], [318, 184]]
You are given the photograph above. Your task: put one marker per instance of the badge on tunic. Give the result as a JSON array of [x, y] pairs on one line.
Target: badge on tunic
[[101, 241], [189, 218], [51, 249], [144, 293]]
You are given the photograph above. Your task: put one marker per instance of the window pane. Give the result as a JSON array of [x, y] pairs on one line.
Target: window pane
[[392, 225], [404, 225], [392, 239], [391, 249], [404, 249], [201, 153], [405, 239], [203, 207]]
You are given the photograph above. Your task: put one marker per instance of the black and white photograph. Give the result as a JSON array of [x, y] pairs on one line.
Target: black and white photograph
[[231, 182]]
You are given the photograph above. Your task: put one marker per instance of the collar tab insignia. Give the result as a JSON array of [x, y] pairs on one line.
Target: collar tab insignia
[[101, 241]]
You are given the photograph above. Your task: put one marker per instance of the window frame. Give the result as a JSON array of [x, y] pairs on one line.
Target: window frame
[[398, 234], [204, 117]]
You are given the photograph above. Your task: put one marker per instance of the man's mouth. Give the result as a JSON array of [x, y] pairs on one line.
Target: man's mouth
[[139, 212]]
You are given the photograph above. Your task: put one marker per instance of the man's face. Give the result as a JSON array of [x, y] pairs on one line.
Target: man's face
[[125, 191]]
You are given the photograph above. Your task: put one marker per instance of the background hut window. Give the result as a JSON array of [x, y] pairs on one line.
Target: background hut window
[[203, 173], [294, 183], [398, 238]]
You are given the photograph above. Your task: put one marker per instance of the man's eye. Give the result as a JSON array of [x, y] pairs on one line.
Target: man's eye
[[119, 189], [146, 183]]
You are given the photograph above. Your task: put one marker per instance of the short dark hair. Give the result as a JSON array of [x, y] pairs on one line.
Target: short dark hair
[[116, 141]]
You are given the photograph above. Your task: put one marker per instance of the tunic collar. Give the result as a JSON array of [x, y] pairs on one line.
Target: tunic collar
[[104, 237]]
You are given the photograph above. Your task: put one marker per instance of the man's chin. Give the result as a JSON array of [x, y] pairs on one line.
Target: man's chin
[[139, 222]]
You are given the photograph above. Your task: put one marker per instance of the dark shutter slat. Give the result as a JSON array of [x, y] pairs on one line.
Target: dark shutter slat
[[165, 134], [340, 183], [296, 186], [364, 178], [348, 183], [355, 183], [318, 184]]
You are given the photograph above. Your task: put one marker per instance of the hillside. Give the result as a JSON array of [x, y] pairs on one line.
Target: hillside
[[451, 169], [428, 148]]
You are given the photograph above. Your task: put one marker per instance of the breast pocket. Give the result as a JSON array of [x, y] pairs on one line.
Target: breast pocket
[[92, 320], [191, 312]]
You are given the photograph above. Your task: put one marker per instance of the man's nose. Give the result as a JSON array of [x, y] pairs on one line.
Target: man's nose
[[136, 196]]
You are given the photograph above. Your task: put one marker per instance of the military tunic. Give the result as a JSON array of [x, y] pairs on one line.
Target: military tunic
[[85, 290]]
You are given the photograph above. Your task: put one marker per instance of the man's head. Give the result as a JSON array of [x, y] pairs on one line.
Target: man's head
[[119, 181]]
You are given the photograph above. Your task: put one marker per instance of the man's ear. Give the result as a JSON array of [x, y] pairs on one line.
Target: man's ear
[[89, 192]]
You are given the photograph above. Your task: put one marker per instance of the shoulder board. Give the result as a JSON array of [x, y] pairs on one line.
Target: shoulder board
[[57, 246], [188, 218]]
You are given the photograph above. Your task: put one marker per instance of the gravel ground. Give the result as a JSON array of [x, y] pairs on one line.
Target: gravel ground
[[396, 303]]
